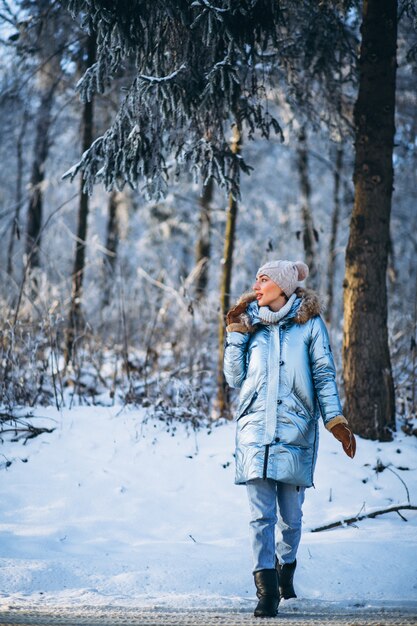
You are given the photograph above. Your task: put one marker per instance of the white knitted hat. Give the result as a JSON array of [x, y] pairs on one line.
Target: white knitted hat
[[286, 274]]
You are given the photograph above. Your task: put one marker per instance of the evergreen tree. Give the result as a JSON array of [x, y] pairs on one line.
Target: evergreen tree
[[199, 66]]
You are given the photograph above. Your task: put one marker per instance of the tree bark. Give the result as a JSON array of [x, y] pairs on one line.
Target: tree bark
[[370, 405], [203, 246], [334, 231], [75, 316], [222, 401], [309, 234], [41, 149]]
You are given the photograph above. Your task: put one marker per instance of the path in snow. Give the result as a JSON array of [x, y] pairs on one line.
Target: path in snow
[[314, 615]]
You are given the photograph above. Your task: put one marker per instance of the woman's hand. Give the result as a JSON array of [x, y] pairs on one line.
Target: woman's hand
[[234, 322], [346, 437]]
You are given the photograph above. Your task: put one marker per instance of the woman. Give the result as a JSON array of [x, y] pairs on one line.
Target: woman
[[278, 352]]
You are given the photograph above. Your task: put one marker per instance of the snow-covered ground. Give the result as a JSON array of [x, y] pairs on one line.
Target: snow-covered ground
[[116, 509]]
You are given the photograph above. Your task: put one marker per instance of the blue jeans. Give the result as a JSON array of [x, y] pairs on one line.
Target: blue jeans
[[264, 496]]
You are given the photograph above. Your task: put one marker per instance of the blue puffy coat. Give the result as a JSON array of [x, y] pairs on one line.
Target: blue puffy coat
[[286, 374]]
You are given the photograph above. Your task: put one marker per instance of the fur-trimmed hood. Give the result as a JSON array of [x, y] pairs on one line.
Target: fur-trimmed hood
[[306, 305]]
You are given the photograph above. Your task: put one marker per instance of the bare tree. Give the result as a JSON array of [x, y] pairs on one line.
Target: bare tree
[[112, 243], [37, 179], [222, 402], [15, 232], [43, 37], [75, 315], [309, 234], [331, 266], [203, 247]]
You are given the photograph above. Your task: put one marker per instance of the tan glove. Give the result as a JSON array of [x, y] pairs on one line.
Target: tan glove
[[346, 437], [234, 322]]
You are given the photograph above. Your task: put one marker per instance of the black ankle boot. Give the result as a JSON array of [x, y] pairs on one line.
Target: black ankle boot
[[285, 579], [266, 582]]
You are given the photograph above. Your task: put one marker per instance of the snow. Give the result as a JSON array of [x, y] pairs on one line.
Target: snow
[[163, 79], [118, 509]]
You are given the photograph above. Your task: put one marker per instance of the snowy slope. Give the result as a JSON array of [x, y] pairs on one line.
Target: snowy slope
[[113, 508]]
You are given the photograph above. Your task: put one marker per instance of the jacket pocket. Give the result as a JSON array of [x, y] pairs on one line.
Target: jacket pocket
[[302, 405], [244, 410]]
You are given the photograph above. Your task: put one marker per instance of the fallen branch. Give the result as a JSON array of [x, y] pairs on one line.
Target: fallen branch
[[18, 425], [32, 432], [358, 518]]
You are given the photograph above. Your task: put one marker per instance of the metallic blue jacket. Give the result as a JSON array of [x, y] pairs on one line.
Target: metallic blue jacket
[[286, 375]]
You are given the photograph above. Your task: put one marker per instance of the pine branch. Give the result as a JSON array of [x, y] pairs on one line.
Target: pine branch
[[198, 66]]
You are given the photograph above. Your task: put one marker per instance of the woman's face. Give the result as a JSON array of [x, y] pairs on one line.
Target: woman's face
[[268, 293]]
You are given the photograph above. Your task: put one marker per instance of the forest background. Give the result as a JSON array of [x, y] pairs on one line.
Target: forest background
[[116, 292]]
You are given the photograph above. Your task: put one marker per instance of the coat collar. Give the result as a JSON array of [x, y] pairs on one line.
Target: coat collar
[[306, 305], [266, 316]]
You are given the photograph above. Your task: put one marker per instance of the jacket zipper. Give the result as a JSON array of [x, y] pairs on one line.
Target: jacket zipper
[[266, 461]]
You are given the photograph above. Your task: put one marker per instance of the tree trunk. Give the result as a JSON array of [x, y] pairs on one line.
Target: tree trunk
[[309, 234], [222, 401], [41, 149], [15, 233], [203, 247], [370, 405], [112, 241], [334, 231], [75, 316]]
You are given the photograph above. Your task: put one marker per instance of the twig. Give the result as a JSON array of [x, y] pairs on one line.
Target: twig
[[31, 430], [358, 518], [158, 283], [361, 509], [56, 374], [402, 517], [122, 309], [148, 347], [403, 482]]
